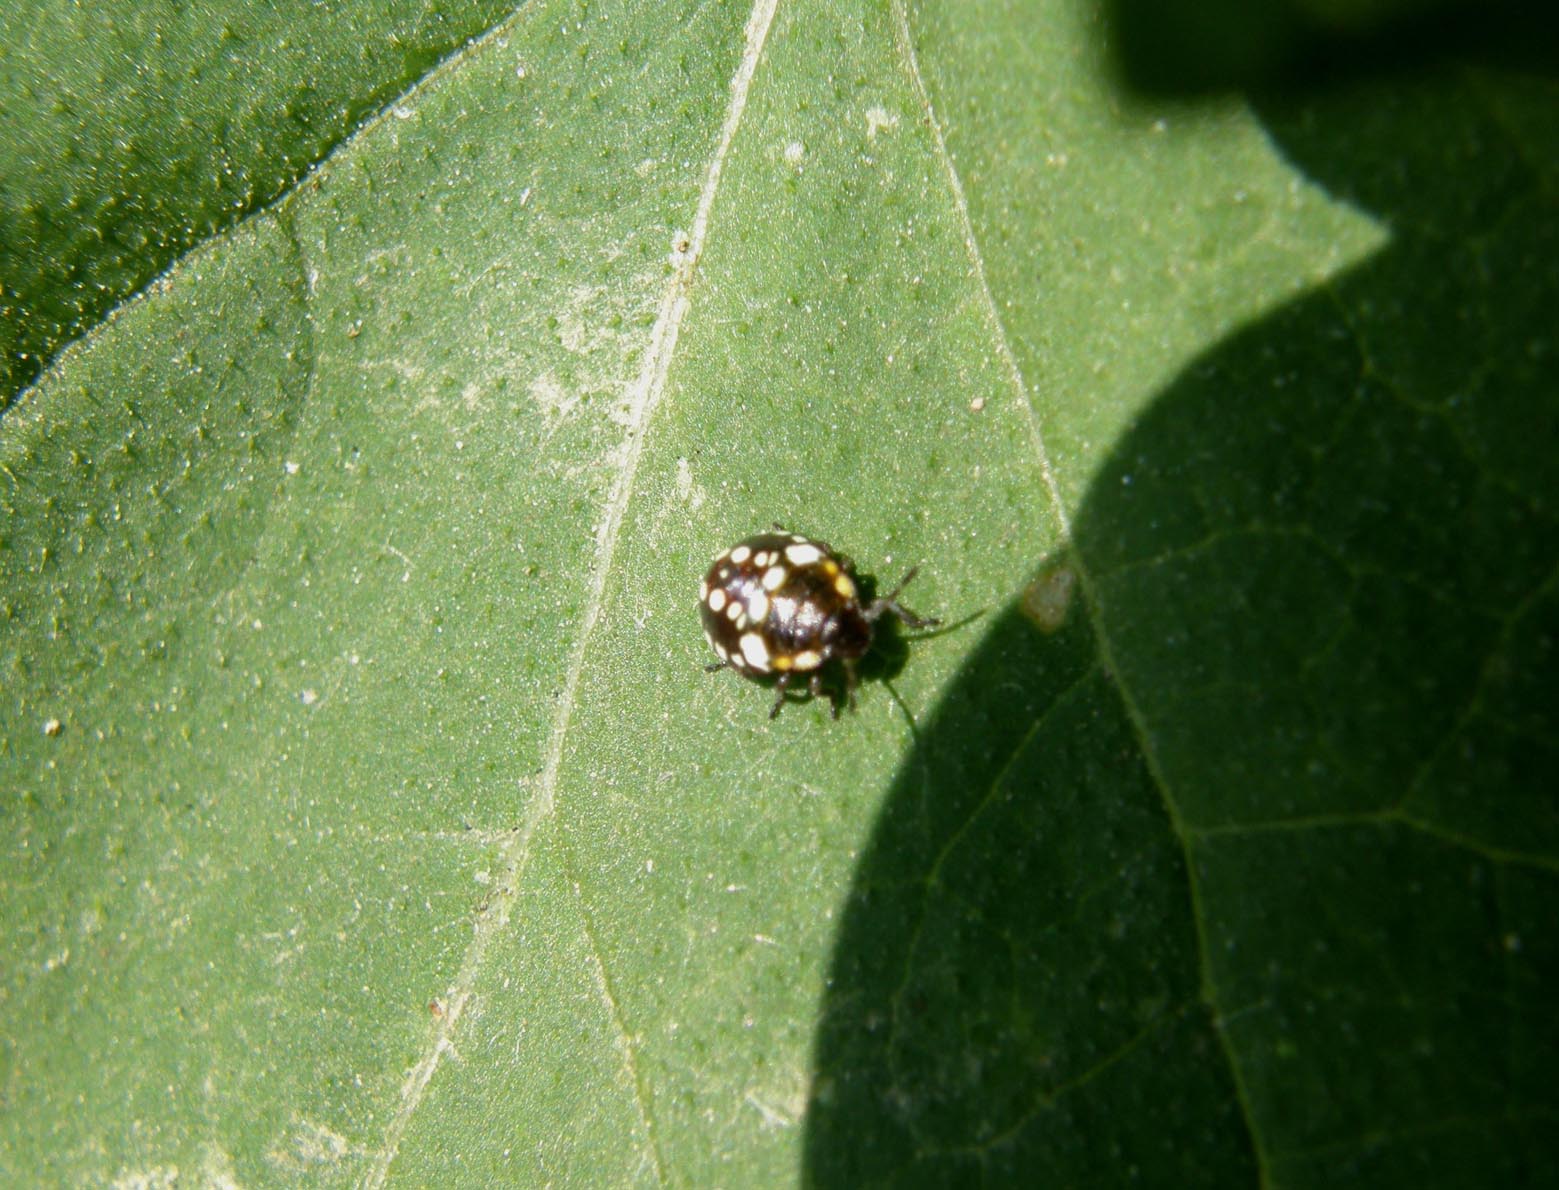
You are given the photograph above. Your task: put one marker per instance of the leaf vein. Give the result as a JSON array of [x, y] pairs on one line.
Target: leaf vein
[[645, 397], [1086, 581]]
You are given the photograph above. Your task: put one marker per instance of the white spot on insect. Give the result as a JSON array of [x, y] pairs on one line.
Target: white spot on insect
[[756, 652], [733, 611], [807, 659], [774, 578], [803, 553], [740, 554], [757, 606], [844, 586], [703, 590], [762, 558], [725, 654], [716, 599]]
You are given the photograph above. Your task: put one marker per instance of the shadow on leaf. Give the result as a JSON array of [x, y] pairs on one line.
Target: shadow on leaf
[[1267, 895], [1176, 47]]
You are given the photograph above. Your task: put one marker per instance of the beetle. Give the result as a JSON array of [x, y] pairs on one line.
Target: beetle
[[781, 604]]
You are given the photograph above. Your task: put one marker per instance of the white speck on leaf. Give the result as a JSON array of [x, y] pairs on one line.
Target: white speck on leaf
[[681, 248], [688, 492], [880, 119]]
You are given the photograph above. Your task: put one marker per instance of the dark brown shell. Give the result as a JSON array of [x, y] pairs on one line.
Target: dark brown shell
[[780, 603]]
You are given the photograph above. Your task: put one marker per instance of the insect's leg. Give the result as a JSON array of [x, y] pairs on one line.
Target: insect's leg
[[815, 688], [890, 603], [850, 682], [779, 695]]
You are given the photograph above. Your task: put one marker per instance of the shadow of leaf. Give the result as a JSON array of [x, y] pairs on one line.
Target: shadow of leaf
[[1175, 47], [1018, 960], [1247, 871]]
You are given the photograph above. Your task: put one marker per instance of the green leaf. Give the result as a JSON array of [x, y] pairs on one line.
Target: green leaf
[[369, 817], [130, 134]]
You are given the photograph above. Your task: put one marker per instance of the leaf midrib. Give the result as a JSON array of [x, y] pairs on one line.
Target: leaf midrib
[[645, 397]]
